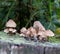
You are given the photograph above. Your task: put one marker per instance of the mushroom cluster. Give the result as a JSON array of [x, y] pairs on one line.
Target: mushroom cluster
[[36, 32], [10, 27]]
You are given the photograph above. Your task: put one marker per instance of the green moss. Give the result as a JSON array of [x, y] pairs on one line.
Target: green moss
[[54, 40], [16, 39]]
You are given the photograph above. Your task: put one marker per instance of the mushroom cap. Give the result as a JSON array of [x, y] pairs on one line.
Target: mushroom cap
[[11, 23], [23, 30], [49, 33], [38, 25], [28, 33], [6, 30], [40, 33], [32, 31]]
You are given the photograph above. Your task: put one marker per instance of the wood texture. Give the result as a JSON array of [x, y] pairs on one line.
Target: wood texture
[[6, 48]]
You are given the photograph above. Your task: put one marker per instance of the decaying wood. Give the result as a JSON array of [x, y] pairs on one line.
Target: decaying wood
[[6, 48]]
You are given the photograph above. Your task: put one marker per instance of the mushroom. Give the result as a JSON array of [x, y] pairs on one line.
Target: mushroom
[[23, 32], [43, 35], [49, 33], [11, 24], [32, 33], [28, 33], [10, 27], [38, 26]]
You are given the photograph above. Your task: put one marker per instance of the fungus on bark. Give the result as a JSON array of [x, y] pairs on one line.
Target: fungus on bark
[[23, 32], [42, 33], [10, 27], [45, 34]]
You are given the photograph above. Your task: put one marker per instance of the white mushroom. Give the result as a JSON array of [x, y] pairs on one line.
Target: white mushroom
[[23, 31], [10, 26], [11, 23], [38, 26], [28, 33], [32, 31], [49, 33], [41, 35]]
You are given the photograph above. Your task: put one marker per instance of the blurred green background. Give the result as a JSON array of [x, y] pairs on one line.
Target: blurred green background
[[25, 12]]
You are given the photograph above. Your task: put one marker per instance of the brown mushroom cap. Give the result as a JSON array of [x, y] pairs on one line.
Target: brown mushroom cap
[[28, 33], [11, 23], [49, 33], [46, 33], [38, 25], [32, 31], [23, 30]]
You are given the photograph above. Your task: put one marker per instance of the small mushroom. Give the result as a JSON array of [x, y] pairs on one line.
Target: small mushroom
[[32, 31], [23, 31], [48, 33], [10, 26], [38, 26], [28, 33], [45, 34], [41, 36]]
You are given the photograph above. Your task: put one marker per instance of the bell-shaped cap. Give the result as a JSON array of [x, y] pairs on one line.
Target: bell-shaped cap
[[38, 25], [49, 33], [32, 31], [11, 23], [23, 30], [40, 33]]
